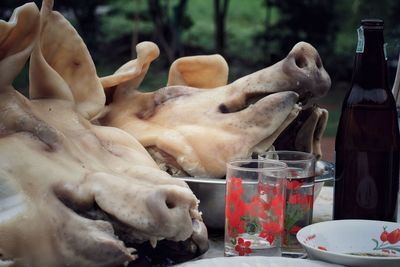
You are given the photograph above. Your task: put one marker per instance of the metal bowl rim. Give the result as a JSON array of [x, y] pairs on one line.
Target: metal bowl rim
[[329, 168]]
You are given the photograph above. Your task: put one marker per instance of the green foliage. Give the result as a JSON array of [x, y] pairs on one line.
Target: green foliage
[[244, 20], [242, 24], [312, 21], [201, 33], [120, 19]]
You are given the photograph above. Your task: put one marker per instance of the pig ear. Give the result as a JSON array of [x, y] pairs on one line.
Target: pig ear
[[16, 42], [199, 71], [131, 74], [134, 70], [61, 66]]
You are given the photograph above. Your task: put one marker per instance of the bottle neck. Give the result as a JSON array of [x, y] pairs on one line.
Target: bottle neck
[[370, 61]]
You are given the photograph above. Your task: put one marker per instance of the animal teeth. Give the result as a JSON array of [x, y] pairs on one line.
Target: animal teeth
[[153, 242], [131, 250]]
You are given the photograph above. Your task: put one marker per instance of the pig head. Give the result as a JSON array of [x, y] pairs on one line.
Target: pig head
[[73, 193], [197, 123]]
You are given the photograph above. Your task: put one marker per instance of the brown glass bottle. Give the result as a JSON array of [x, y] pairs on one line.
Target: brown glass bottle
[[367, 140]]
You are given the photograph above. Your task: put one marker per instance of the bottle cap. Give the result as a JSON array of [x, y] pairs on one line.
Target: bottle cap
[[372, 23]]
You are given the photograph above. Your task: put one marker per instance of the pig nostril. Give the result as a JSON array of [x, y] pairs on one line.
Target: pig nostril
[[300, 61], [223, 108], [170, 204], [318, 62]]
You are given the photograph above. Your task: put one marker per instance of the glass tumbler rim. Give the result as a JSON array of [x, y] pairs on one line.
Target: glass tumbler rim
[[280, 165], [308, 156]]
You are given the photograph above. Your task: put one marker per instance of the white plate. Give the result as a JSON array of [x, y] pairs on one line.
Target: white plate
[[332, 241], [256, 261]]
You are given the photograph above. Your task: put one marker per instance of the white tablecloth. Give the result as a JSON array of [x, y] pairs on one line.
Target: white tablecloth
[[323, 206]]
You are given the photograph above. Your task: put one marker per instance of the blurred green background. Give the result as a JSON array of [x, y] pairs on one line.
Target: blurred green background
[[249, 34]]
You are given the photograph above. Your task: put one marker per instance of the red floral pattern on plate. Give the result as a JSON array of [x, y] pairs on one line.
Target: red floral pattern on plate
[[389, 241], [322, 248]]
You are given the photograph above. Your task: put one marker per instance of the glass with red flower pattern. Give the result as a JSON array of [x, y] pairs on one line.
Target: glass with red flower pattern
[[254, 207], [299, 194]]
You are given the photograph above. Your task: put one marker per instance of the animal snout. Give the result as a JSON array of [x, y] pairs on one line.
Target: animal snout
[[171, 210], [304, 67], [306, 57]]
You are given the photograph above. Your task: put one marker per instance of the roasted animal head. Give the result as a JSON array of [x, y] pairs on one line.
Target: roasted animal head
[[190, 130], [73, 193]]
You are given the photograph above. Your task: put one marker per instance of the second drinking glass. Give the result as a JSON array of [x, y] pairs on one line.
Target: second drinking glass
[[299, 193]]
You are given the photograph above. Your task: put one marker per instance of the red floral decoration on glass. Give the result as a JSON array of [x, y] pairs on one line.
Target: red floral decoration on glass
[[243, 217], [298, 204], [236, 209], [243, 247], [293, 184]]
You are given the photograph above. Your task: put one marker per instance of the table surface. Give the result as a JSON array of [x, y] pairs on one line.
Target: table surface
[[323, 208]]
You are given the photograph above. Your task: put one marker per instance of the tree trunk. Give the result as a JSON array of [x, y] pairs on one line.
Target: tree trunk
[[220, 11], [177, 25], [168, 29], [136, 29]]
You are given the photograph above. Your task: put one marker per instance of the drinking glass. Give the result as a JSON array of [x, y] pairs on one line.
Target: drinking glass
[[299, 193], [254, 207]]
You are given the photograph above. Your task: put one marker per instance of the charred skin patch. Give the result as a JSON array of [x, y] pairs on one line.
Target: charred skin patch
[[166, 162], [286, 140], [305, 132], [241, 102]]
